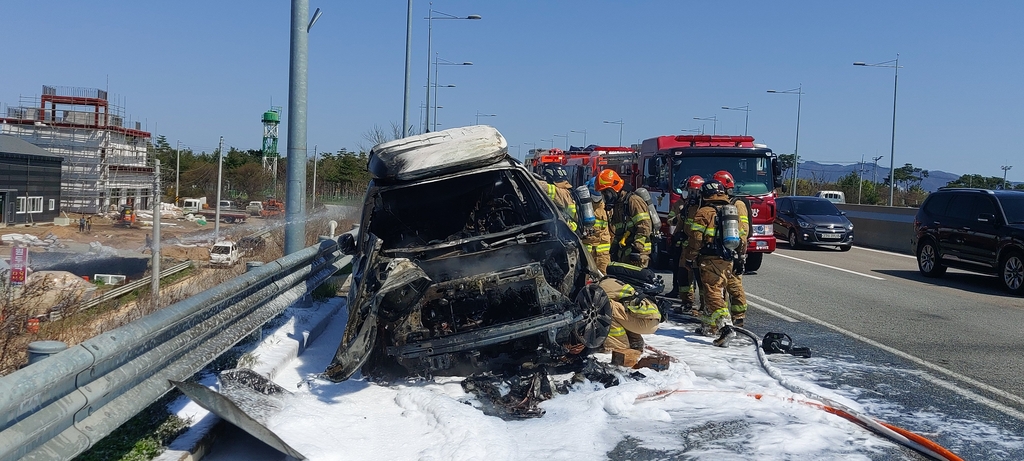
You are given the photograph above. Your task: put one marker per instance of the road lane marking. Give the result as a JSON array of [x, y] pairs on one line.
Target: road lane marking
[[886, 252], [924, 363], [773, 312], [830, 267]]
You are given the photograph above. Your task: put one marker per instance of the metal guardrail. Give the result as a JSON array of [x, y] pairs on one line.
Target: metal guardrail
[[122, 290], [59, 407]]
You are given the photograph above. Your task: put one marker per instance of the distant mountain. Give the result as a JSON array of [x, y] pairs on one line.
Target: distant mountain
[[831, 172]]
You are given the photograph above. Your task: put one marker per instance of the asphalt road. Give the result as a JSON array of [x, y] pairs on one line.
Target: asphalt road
[[961, 327]]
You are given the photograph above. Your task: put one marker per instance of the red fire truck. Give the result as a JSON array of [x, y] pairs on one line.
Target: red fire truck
[[667, 161], [585, 164]]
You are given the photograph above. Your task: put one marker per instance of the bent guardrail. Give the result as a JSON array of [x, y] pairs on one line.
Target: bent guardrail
[[59, 407]]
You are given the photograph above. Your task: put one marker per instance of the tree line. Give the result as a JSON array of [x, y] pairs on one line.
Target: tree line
[[340, 175], [908, 191]]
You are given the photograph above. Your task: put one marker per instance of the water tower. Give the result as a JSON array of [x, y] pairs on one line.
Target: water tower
[[271, 119]]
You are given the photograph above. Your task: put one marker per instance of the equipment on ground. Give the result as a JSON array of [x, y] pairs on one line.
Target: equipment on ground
[[126, 217], [272, 208]]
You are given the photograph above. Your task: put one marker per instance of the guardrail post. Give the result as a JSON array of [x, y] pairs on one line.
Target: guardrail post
[[251, 265]]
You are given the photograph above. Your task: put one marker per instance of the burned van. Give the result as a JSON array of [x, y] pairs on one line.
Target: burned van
[[462, 265]]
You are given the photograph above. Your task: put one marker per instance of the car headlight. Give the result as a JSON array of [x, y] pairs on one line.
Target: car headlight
[[849, 226], [804, 224]]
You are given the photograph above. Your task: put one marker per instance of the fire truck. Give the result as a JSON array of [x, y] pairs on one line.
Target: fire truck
[[666, 162], [584, 164]]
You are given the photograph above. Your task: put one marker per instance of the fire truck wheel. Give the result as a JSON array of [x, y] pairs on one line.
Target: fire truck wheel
[[753, 262]]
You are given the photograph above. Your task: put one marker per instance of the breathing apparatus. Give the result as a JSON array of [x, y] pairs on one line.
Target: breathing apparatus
[[586, 206], [651, 210]]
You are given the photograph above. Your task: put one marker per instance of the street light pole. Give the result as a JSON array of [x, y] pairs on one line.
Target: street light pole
[[895, 64], [874, 175], [430, 33], [478, 115], [566, 136], [442, 62], [746, 116], [799, 92], [408, 67], [619, 123], [1005, 169], [584, 131], [714, 118]]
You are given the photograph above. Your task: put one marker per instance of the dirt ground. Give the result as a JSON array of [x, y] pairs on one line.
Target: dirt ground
[[180, 239]]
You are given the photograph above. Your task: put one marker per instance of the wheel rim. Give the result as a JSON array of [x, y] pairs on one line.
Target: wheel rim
[[1013, 272], [792, 239], [927, 258]]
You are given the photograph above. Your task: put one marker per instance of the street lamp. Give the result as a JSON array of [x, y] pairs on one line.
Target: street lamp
[[894, 64], [619, 123], [695, 130], [713, 118], [430, 28], [874, 175], [799, 92], [478, 115], [746, 117], [552, 141], [566, 136], [584, 131], [442, 62], [1005, 168]]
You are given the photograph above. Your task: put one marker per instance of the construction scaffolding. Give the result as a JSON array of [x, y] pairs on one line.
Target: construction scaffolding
[[105, 163]]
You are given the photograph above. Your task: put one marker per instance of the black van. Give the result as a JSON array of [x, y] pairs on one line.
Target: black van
[[978, 230]]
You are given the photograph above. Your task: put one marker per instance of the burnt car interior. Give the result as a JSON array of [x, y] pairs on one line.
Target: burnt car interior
[[454, 209]]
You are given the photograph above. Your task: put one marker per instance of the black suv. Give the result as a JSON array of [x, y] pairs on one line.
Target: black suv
[[972, 229]]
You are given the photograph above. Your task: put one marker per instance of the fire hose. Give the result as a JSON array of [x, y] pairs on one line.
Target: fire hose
[[896, 434]]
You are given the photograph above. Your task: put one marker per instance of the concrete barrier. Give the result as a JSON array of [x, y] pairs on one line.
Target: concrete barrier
[[881, 227]]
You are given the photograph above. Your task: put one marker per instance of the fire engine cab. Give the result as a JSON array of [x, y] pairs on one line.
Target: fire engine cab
[[588, 162], [666, 162]]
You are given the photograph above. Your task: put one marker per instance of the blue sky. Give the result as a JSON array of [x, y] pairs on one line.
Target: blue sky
[[195, 71]]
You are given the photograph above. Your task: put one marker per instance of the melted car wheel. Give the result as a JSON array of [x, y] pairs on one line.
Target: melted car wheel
[[592, 302], [1012, 273]]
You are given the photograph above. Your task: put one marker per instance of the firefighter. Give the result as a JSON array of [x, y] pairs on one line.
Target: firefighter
[[630, 220], [560, 191], [633, 315], [705, 252], [734, 287], [599, 239], [684, 211]]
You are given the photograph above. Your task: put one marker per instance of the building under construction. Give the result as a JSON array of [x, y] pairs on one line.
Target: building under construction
[[104, 160]]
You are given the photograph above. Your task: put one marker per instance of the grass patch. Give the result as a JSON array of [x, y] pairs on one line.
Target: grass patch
[[143, 437]]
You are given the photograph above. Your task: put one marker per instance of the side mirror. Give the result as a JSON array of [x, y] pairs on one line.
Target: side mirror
[[842, 213], [347, 244]]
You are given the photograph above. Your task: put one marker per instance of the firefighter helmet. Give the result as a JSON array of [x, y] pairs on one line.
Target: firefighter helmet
[[554, 174], [608, 179], [725, 178], [711, 189], [694, 182]]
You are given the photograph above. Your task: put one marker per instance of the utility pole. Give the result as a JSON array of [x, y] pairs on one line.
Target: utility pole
[[314, 177], [1005, 169], [177, 172], [155, 247], [860, 181], [874, 176], [220, 175]]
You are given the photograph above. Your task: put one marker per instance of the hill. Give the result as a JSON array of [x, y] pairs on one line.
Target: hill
[[830, 172]]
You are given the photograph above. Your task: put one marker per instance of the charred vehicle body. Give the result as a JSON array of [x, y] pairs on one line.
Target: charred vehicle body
[[462, 264]]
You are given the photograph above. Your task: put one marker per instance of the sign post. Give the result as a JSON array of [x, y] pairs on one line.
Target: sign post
[[19, 265]]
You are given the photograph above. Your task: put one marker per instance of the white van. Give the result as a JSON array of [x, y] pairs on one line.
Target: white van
[[833, 196], [225, 253]]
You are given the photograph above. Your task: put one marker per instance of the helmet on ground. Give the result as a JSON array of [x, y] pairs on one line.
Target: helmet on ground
[[608, 179], [725, 178], [554, 173], [711, 189]]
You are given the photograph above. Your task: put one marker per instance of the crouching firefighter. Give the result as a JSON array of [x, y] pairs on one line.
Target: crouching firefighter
[[714, 238], [633, 315], [630, 220]]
